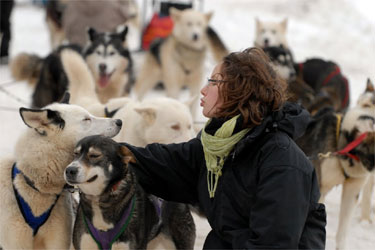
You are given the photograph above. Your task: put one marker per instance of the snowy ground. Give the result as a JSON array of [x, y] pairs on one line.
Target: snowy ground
[[338, 30]]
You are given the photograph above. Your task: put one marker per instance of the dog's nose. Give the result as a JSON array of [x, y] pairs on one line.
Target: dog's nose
[[195, 37], [266, 42], [102, 67], [71, 172], [118, 122]]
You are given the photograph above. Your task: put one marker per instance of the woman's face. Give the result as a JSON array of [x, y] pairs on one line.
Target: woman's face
[[211, 100]]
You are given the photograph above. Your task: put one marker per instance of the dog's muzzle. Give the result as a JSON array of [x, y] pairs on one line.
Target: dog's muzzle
[[71, 174]]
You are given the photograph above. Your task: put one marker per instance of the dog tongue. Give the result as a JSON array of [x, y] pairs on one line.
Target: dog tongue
[[103, 80]]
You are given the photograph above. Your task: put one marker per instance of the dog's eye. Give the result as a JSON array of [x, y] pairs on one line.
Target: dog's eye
[[176, 127], [86, 119], [111, 53], [94, 156], [263, 31], [98, 52]]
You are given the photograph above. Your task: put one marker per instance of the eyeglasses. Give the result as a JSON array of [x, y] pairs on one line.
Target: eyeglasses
[[214, 82]]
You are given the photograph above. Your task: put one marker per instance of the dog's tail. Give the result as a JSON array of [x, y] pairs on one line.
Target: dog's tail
[[217, 46], [26, 67], [81, 82]]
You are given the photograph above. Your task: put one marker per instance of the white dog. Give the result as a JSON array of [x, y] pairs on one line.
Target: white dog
[[35, 211], [178, 60], [163, 120], [271, 34]]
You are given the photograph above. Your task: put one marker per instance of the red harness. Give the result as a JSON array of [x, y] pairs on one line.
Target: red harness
[[352, 145], [334, 73]]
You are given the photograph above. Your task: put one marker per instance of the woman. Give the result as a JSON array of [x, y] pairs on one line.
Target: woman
[[256, 187]]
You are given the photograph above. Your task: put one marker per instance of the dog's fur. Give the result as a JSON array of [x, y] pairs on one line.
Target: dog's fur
[[367, 100], [41, 154], [178, 60], [325, 77], [163, 120], [271, 34], [320, 137], [110, 62], [101, 171], [282, 61]]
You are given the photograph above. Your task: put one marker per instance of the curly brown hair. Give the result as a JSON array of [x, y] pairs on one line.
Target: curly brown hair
[[250, 87]]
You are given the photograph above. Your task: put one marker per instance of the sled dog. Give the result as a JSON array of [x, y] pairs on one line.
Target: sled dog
[[271, 34], [178, 60], [36, 212], [327, 142], [114, 211]]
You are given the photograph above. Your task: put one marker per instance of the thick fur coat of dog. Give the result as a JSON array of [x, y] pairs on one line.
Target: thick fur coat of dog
[[35, 211], [327, 80], [178, 60], [163, 120], [108, 58], [325, 142], [114, 211], [367, 100], [271, 34]]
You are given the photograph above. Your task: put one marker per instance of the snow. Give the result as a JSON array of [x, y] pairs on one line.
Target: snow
[[338, 30]]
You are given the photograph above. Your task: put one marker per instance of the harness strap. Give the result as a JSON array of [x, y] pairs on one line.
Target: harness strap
[[105, 239], [338, 125], [334, 73], [34, 222], [352, 145]]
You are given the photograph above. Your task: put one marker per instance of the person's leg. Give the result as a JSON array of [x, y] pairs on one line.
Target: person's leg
[[6, 7]]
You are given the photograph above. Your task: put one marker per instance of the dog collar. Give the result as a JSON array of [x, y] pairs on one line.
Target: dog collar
[[105, 239], [35, 222]]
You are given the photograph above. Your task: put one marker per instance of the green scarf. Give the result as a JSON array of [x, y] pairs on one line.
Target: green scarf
[[217, 148]]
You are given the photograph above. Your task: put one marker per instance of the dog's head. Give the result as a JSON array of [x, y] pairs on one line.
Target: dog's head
[[367, 98], [282, 61], [356, 122], [107, 55], [99, 165], [66, 122], [270, 33], [165, 120], [190, 26]]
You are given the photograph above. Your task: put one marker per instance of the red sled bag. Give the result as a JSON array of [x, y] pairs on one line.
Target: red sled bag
[[159, 27]]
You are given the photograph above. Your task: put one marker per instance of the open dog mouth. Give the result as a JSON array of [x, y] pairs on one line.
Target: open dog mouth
[[104, 79], [92, 179]]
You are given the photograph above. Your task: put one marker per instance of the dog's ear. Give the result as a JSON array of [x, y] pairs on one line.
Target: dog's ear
[[174, 13], [257, 23], [127, 155], [92, 33], [369, 86], [148, 114], [208, 16], [66, 97], [123, 33], [41, 119], [284, 24]]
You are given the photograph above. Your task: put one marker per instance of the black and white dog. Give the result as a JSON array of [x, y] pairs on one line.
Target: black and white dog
[[114, 211]]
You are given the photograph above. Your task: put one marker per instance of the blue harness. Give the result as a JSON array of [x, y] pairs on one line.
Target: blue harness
[[34, 222]]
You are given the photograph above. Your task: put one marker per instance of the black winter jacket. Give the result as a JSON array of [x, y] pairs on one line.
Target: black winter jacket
[[267, 196]]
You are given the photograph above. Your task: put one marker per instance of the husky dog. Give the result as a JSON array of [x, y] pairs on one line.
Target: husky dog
[[282, 61], [35, 211], [114, 211], [340, 162], [325, 77], [110, 63], [367, 100], [178, 60], [271, 34]]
